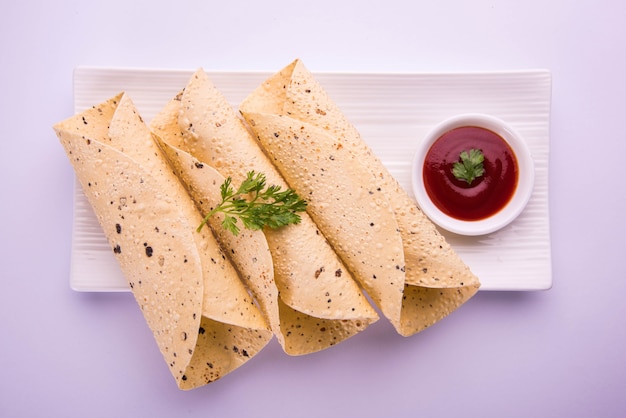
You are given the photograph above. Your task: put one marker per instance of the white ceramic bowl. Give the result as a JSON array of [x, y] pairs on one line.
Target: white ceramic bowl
[[520, 196]]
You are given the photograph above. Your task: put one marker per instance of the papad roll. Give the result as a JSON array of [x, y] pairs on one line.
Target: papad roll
[[319, 304], [248, 251], [321, 155], [203, 319]]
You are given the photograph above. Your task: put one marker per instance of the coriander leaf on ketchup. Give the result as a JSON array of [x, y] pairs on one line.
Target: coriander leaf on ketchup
[[470, 165]]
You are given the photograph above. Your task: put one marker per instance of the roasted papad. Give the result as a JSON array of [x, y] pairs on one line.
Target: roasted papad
[[202, 317], [248, 250], [318, 304], [412, 273]]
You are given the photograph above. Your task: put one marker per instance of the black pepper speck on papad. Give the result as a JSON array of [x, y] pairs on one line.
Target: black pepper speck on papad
[[393, 250], [202, 317], [315, 303]]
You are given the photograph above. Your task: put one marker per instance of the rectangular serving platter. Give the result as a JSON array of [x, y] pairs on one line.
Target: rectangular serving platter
[[393, 112]]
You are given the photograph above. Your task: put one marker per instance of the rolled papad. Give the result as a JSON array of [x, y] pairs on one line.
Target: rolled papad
[[203, 319], [319, 303], [248, 250], [321, 154]]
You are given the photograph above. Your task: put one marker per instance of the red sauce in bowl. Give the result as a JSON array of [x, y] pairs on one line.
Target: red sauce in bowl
[[487, 194]]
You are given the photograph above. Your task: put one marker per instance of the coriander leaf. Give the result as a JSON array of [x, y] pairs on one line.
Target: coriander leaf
[[470, 165], [230, 223], [256, 205], [225, 188]]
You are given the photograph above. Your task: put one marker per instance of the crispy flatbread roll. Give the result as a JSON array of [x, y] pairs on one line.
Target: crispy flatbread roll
[[318, 304], [322, 156], [202, 317]]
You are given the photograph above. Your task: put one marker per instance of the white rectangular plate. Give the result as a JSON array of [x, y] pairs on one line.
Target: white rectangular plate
[[393, 112]]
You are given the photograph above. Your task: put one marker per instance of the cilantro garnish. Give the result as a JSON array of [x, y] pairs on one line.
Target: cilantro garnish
[[256, 205]]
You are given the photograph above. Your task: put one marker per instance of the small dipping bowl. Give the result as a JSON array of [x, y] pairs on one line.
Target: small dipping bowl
[[510, 209]]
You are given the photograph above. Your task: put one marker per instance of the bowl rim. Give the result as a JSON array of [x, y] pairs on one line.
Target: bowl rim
[[511, 210]]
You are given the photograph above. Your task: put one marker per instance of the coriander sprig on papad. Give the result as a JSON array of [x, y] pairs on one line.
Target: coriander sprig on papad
[[256, 205]]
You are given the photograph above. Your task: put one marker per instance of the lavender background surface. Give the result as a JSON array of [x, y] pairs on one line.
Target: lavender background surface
[[552, 353]]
